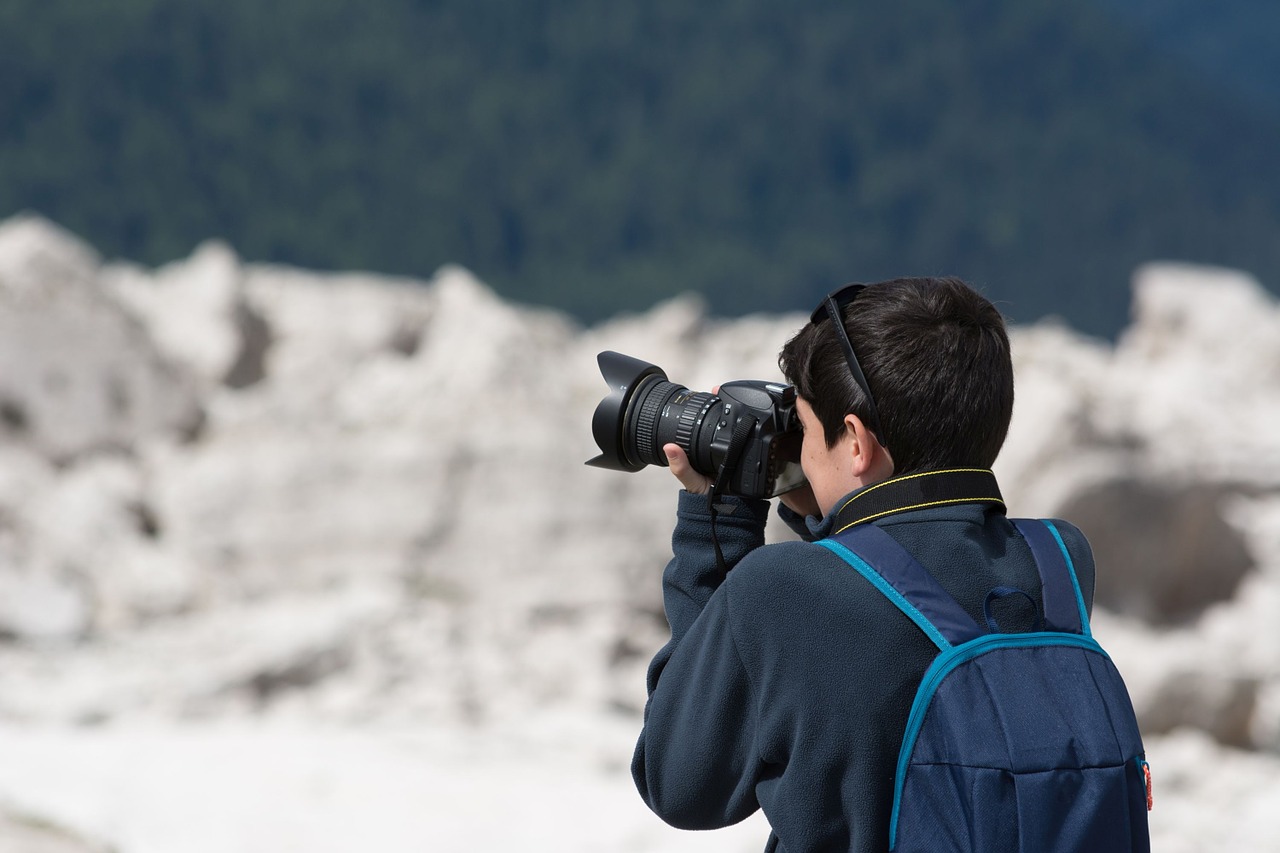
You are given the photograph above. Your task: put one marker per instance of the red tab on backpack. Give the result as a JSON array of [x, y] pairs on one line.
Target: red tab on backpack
[[1146, 781]]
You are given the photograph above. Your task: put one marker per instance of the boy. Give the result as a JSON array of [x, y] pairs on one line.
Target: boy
[[787, 684]]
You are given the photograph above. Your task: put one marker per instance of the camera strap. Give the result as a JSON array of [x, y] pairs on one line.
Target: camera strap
[[918, 491], [733, 455]]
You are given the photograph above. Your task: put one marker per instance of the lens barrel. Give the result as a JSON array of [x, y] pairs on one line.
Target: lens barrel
[[666, 412]]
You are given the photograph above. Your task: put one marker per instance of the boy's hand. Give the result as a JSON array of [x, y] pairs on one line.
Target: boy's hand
[[801, 500], [693, 482]]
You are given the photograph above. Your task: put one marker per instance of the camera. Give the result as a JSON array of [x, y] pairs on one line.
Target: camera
[[746, 438]]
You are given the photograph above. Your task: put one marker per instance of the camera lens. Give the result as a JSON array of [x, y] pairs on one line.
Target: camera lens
[[664, 412], [745, 437], [644, 411]]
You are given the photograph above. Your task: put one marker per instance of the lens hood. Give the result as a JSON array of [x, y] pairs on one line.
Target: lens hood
[[625, 376]]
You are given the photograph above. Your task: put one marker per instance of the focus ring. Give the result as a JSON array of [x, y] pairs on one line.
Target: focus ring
[[647, 422]]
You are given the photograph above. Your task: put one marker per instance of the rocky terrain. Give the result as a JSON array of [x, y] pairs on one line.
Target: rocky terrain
[[293, 560]]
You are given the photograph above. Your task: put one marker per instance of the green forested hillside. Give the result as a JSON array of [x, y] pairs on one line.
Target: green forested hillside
[[599, 156], [1231, 44]]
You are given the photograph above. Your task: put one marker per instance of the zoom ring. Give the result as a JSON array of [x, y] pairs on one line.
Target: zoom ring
[[690, 416]]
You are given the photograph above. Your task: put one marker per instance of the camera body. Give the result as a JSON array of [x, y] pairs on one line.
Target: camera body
[[749, 431]]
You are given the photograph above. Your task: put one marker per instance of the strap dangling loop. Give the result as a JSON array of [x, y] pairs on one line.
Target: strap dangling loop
[[733, 455]]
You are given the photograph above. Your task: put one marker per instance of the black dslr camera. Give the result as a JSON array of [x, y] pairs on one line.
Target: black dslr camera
[[746, 438]]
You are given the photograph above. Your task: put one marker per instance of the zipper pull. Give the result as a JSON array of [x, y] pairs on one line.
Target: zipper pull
[[1146, 779]]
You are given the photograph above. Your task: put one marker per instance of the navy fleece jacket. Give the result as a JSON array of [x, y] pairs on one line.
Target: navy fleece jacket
[[787, 684]]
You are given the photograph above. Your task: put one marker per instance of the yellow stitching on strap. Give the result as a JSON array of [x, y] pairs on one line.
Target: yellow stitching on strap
[[915, 506], [906, 477]]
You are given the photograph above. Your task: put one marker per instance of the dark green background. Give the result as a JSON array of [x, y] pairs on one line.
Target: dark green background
[[598, 156]]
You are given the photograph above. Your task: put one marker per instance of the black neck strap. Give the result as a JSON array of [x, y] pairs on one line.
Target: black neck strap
[[918, 491]]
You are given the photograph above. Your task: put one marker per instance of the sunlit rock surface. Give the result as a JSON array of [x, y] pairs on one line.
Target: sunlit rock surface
[[259, 526]]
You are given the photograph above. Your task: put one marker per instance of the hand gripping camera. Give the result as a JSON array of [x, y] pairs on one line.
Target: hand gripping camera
[[746, 438]]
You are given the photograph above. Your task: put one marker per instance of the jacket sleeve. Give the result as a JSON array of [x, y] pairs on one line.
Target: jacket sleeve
[[695, 763]]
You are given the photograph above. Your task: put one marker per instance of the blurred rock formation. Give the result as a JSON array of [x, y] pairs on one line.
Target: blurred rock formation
[[235, 489]]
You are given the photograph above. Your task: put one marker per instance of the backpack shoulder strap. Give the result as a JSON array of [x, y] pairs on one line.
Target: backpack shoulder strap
[[907, 584], [1064, 608]]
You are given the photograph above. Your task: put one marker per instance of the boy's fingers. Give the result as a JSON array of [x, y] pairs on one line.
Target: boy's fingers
[[678, 461], [692, 481]]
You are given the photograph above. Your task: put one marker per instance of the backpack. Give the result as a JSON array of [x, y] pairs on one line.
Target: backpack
[[1021, 741]]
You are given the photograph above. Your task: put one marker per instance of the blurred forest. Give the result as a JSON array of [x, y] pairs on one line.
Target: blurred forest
[[598, 156]]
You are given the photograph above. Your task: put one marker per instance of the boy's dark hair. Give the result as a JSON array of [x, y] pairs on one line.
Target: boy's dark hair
[[936, 357]]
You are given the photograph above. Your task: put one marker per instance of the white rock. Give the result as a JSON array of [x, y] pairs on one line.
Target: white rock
[[41, 601], [393, 523], [196, 313], [1202, 358], [81, 374], [41, 264]]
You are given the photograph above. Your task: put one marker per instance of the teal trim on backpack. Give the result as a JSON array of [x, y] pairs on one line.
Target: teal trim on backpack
[[888, 591], [1075, 582], [948, 660]]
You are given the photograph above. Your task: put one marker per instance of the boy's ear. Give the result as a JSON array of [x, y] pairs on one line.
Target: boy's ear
[[868, 456]]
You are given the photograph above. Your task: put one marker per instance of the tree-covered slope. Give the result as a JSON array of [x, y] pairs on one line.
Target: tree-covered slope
[[598, 156]]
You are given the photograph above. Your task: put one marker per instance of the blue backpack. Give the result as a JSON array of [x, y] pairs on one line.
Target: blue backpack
[[1022, 742]]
